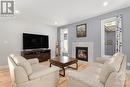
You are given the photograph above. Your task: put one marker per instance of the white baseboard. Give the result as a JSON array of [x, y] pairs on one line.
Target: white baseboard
[[4, 67]]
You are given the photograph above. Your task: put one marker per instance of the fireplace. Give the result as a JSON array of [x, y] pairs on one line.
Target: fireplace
[[82, 53]]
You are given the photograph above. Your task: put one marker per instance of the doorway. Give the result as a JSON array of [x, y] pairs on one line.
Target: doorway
[[111, 36]]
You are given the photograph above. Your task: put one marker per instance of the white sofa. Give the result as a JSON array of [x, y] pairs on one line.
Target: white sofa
[[30, 73], [110, 73]]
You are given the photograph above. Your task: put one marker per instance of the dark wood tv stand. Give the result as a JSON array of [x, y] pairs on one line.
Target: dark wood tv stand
[[41, 54]]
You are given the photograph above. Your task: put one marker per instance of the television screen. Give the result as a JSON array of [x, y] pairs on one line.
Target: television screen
[[34, 41]]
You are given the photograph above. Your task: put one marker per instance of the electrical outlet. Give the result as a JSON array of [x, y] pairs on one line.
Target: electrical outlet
[[128, 64]]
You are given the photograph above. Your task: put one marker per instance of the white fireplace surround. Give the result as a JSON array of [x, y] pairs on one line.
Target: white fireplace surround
[[83, 44]]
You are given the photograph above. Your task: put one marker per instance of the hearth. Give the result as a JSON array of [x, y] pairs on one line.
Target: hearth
[[82, 53]]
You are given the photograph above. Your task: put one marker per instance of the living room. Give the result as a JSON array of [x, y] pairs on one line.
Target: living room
[[72, 41]]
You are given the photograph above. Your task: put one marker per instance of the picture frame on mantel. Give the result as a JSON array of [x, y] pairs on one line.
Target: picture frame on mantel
[[81, 30]]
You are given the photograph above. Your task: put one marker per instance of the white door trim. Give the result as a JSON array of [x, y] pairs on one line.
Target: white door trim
[[103, 34]]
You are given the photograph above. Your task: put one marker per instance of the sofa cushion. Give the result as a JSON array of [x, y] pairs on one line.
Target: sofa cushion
[[90, 79], [92, 69], [33, 61], [105, 72], [38, 67], [21, 61], [111, 60]]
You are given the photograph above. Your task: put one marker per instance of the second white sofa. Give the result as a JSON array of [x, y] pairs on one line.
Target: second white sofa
[[110, 73]]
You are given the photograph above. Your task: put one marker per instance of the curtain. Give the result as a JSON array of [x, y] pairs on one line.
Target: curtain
[[119, 34]]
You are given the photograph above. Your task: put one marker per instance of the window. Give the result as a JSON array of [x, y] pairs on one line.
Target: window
[[64, 42]]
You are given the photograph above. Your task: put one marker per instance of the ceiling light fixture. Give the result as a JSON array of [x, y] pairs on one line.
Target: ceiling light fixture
[[56, 23], [16, 11], [105, 3]]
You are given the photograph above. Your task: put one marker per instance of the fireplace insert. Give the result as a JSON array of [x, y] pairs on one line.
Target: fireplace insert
[[82, 53]]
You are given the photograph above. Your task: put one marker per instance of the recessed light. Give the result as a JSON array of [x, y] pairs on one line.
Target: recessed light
[[55, 23], [16, 11], [105, 3]]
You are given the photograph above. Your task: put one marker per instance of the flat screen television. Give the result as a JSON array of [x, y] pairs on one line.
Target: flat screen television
[[34, 41]]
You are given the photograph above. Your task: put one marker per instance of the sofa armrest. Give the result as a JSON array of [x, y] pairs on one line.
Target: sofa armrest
[[102, 60], [33, 61], [42, 73]]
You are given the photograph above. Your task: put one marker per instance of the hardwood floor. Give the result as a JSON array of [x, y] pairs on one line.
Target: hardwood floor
[[127, 83], [5, 77]]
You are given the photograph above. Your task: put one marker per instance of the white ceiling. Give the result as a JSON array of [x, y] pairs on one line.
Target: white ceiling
[[65, 11]]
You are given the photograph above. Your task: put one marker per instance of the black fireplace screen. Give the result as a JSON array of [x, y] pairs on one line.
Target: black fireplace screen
[[82, 53]]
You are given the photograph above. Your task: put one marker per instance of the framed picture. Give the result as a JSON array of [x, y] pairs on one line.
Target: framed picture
[[81, 30]]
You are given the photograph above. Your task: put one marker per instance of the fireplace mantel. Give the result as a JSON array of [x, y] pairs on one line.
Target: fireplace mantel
[[83, 44]]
